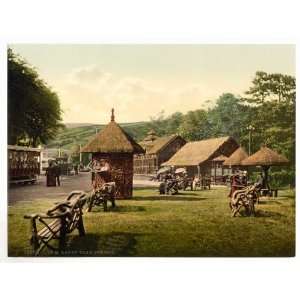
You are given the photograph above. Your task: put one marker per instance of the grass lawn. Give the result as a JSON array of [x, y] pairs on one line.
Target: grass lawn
[[190, 224]]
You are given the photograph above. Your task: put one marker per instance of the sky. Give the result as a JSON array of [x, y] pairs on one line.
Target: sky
[[141, 81]]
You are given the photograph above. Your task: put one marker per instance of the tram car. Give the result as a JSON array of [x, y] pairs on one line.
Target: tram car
[[23, 164]]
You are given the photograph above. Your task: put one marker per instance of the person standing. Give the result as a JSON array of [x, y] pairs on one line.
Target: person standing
[[50, 174], [57, 173]]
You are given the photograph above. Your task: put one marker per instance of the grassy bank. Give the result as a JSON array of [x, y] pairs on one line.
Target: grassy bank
[[190, 224]]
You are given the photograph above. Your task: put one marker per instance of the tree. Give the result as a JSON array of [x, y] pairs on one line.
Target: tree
[[195, 125], [34, 113], [158, 123], [229, 117], [272, 87], [273, 99], [173, 122], [274, 109]]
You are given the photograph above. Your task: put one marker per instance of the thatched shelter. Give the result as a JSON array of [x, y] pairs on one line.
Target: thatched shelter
[[157, 151], [113, 145], [265, 158], [197, 156], [236, 158]]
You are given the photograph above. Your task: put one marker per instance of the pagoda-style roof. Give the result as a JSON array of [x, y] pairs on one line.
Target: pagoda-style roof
[[265, 157], [236, 157], [113, 139], [151, 136]]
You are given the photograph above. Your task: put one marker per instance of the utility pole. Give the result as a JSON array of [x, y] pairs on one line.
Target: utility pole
[[80, 154], [250, 128]]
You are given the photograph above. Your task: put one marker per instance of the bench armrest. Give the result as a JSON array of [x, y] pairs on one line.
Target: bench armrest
[[32, 216], [46, 216]]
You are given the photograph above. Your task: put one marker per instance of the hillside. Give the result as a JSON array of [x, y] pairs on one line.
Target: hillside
[[76, 133]]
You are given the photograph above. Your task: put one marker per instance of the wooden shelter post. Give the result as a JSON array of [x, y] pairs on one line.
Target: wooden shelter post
[[266, 178], [215, 179]]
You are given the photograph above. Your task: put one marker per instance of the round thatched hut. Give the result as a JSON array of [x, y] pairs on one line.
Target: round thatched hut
[[113, 148], [265, 158], [236, 158]]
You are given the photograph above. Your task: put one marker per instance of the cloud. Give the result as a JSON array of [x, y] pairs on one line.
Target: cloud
[[88, 94]]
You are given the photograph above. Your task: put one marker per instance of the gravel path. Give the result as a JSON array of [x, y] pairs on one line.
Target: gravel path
[[40, 191]]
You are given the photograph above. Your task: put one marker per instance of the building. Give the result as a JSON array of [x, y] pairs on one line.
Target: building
[[113, 145], [157, 151], [218, 170], [198, 157]]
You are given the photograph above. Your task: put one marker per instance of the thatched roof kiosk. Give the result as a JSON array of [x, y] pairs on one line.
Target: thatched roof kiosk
[[265, 158], [114, 146], [236, 158], [197, 156]]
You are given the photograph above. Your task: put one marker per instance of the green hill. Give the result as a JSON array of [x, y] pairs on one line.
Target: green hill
[[73, 135]]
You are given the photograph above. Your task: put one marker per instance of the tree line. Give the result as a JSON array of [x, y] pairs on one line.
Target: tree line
[[268, 110]]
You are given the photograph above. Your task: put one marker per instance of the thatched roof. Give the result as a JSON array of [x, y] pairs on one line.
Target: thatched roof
[[220, 158], [112, 139], [195, 153], [160, 143], [265, 157], [236, 157]]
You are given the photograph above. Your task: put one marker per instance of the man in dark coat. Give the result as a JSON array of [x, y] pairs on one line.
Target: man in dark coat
[[50, 174], [57, 173]]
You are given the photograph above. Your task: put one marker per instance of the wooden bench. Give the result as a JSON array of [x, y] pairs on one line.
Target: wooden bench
[[269, 192], [60, 220], [203, 183], [102, 195], [246, 198]]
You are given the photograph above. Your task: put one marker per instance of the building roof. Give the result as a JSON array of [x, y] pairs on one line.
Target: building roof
[[160, 143], [220, 158], [195, 153], [112, 139], [151, 136], [265, 157], [236, 157]]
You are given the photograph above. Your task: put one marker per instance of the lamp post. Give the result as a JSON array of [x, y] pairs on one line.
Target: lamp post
[[80, 154], [250, 128]]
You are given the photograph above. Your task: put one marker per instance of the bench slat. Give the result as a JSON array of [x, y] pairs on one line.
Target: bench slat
[[55, 227]]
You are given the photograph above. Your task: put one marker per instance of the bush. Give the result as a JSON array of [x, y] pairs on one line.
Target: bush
[[281, 178]]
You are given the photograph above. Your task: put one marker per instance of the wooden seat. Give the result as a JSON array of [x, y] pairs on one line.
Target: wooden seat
[[101, 196], [52, 229], [269, 192], [60, 220]]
